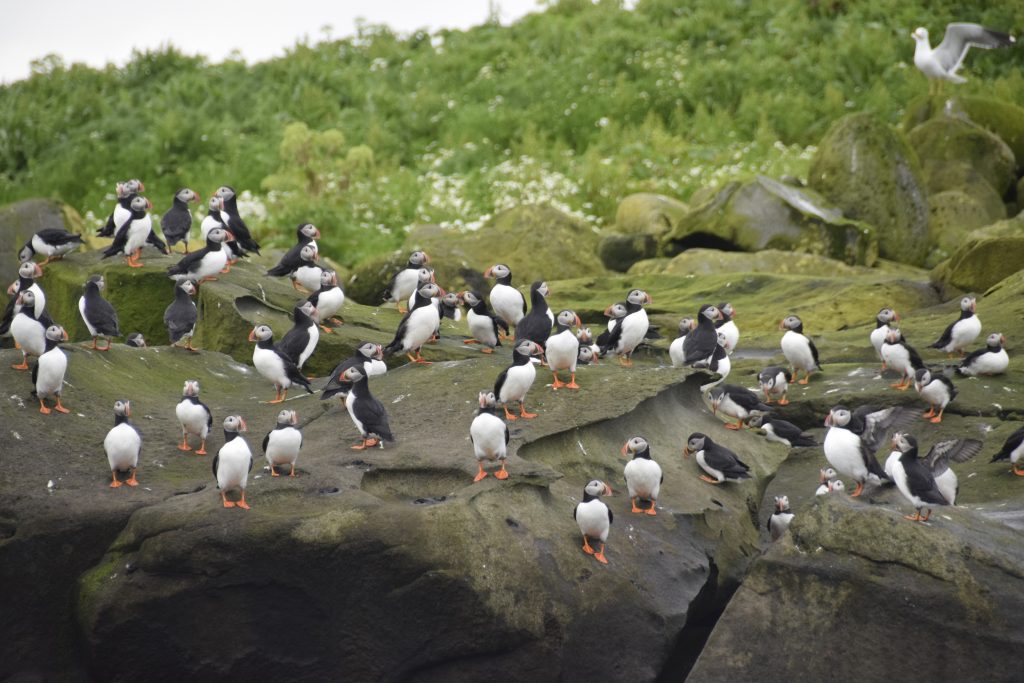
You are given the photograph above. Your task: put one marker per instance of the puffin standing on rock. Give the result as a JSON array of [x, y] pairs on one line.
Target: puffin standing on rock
[[274, 365], [563, 349], [631, 330], [701, 342], [962, 331], [177, 222], [775, 381], [282, 444], [98, 313], [718, 461], [203, 265], [727, 327], [594, 518], [233, 220], [506, 300], [991, 360], [194, 417], [126, 192], [736, 402], [916, 480], [936, 389], [306, 233], [27, 274], [53, 243], [853, 438], [417, 326], [29, 328], [367, 413], [180, 317], [515, 381], [877, 336], [489, 435], [1013, 450], [675, 349], [48, 372], [233, 462], [781, 518], [130, 239], [799, 350], [368, 357], [536, 325], [405, 282], [328, 300], [643, 475], [900, 357], [123, 444], [299, 343], [485, 327]]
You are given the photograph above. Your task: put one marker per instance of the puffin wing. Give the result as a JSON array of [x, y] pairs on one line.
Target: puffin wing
[[787, 430], [921, 483], [721, 458], [289, 263], [176, 224], [292, 344], [108, 228], [120, 240], [396, 343], [241, 232], [216, 463], [952, 450], [209, 415], [915, 357], [103, 317], [698, 345], [499, 383], [59, 236], [1012, 443], [969, 359], [611, 338], [5, 322], [294, 374], [611, 515], [961, 37], [266, 440], [947, 336], [35, 375], [814, 353], [371, 413], [747, 399]]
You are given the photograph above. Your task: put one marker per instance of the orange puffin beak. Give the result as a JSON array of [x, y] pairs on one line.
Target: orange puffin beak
[[686, 451], [295, 418], [608, 311], [10, 290], [36, 270], [895, 316], [608, 490], [625, 447], [578, 321], [64, 334], [1002, 339], [149, 205], [649, 299], [487, 273], [242, 427], [782, 324], [828, 420], [252, 335]]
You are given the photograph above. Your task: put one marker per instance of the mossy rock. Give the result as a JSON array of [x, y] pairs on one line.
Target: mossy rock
[[1002, 118], [646, 213], [766, 214], [962, 177], [944, 140], [20, 220], [872, 174], [952, 215], [772, 261], [619, 252], [980, 263]]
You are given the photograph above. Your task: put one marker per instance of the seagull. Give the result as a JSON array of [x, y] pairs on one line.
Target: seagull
[[943, 62]]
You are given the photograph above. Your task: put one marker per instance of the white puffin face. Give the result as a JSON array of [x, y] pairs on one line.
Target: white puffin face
[[685, 325], [136, 339], [470, 298], [328, 278], [140, 203], [711, 313], [721, 339], [616, 311], [98, 280], [215, 204], [696, 442], [791, 322], [261, 333], [755, 420], [310, 231], [218, 235], [27, 298], [638, 297], [836, 486], [25, 254], [451, 299], [968, 303], [922, 377], [225, 192], [583, 334], [597, 488], [717, 395], [886, 315], [287, 417], [191, 388], [371, 350], [486, 399], [29, 270], [498, 270], [838, 417], [123, 407], [529, 348], [893, 335], [637, 444], [425, 275], [430, 290], [309, 309], [996, 339], [727, 309], [585, 355], [309, 253], [418, 258], [133, 186], [568, 318], [56, 333], [189, 286], [352, 374], [902, 442], [234, 423], [543, 289], [826, 474], [781, 503], [186, 195]]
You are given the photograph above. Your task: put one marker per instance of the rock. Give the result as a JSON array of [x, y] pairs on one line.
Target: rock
[[963, 178], [649, 214], [20, 220], [618, 252], [985, 257], [766, 214], [952, 216], [855, 580], [944, 140], [1005, 119], [773, 261], [873, 175], [537, 242]]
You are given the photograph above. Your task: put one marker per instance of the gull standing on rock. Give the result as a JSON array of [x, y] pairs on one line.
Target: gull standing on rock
[[942, 62]]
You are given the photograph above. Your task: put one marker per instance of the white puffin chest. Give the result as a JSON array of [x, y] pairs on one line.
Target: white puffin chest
[[420, 326], [211, 263], [507, 302], [935, 392], [676, 353], [634, 329], [964, 332], [518, 380], [897, 357], [990, 363], [643, 478], [208, 224], [878, 338], [701, 457], [731, 334], [283, 446], [488, 434], [843, 451], [50, 375], [270, 365], [233, 463], [797, 350], [193, 417], [330, 302], [562, 350], [405, 284], [138, 231], [122, 445], [308, 277], [29, 333], [592, 519], [482, 328]]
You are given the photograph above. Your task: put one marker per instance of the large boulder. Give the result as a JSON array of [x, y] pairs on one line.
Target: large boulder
[[772, 261], [984, 257], [964, 178], [766, 214], [872, 174], [952, 216], [646, 213], [618, 252], [1002, 118], [20, 220], [947, 140]]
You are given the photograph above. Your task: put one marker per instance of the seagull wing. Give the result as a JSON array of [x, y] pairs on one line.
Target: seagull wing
[[960, 38]]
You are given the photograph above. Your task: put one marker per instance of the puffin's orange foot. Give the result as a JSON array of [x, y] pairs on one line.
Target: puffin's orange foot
[[937, 419], [228, 503], [470, 341], [115, 484], [858, 490], [783, 401], [710, 480], [528, 416], [242, 504], [805, 380], [273, 472], [930, 413], [502, 473], [586, 547], [184, 447], [21, 366], [733, 425], [480, 475], [651, 511], [572, 385], [635, 507], [510, 416], [487, 349], [1018, 472], [557, 384], [43, 409], [202, 450], [133, 481], [599, 556], [61, 409], [327, 330]]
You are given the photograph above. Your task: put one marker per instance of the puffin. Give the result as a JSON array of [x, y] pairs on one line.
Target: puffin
[[423, 276], [98, 313], [306, 278], [615, 313], [936, 389], [126, 192], [213, 220], [368, 357], [515, 381], [587, 341], [586, 356], [328, 300], [962, 331], [938, 460], [916, 479], [775, 381], [194, 416], [563, 348], [48, 371], [485, 327], [133, 234], [367, 413], [53, 243], [135, 339], [233, 462], [882, 320], [717, 460], [281, 445], [405, 282], [702, 340], [643, 475], [736, 402], [27, 274], [718, 363], [123, 443], [594, 518], [991, 360], [799, 350], [675, 349], [306, 233], [447, 307], [781, 431], [829, 482], [536, 325], [1013, 450], [506, 300], [900, 357], [489, 435], [780, 519], [230, 216], [274, 365], [631, 330], [180, 317], [853, 437], [727, 326], [417, 326], [29, 329], [204, 264], [299, 343], [176, 224]]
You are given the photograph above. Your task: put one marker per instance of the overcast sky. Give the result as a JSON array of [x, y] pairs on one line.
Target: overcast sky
[[100, 31]]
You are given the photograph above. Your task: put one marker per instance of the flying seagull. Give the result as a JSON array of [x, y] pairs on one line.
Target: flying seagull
[[943, 62]]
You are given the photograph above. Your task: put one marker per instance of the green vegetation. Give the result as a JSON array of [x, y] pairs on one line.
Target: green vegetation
[[576, 106]]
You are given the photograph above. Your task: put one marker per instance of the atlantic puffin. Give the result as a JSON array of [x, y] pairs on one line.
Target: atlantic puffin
[[423, 276], [938, 462], [367, 413], [27, 274], [781, 431], [615, 313], [48, 371], [515, 381], [702, 341], [368, 357], [405, 282], [131, 237], [231, 217], [176, 224], [136, 340], [1013, 450], [181, 315], [29, 329], [194, 416], [98, 313], [233, 462], [853, 438], [586, 356], [204, 264], [586, 338], [489, 435], [306, 277], [962, 331], [53, 243], [274, 365], [328, 300], [126, 191], [485, 327], [675, 349], [900, 357], [780, 519], [727, 326], [717, 363], [299, 343], [213, 220], [306, 233], [594, 518], [991, 360], [506, 300], [417, 326], [718, 461], [882, 320], [536, 325], [916, 479], [936, 389], [563, 348], [123, 443], [631, 330], [282, 444], [799, 350], [829, 482], [643, 475], [736, 402], [775, 381]]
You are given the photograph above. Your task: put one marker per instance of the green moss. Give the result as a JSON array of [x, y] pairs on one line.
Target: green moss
[[981, 263], [943, 140], [952, 216], [651, 214]]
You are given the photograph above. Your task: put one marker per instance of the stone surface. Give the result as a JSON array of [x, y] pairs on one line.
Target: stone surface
[[872, 174], [944, 140], [952, 216], [961, 177], [618, 252], [20, 220], [1005, 119], [984, 258], [772, 261], [649, 214]]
